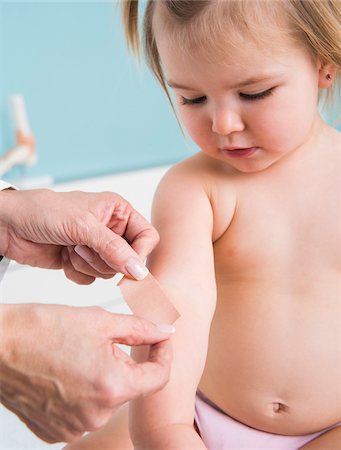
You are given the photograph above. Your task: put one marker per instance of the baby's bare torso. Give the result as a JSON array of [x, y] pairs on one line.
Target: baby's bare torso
[[274, 359]]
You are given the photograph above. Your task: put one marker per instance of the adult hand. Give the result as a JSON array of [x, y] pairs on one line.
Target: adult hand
[[89, 235], [61, 372]]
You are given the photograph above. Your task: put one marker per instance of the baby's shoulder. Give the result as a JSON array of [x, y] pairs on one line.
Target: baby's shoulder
[[184, 181], [201, 170], [198, 179]]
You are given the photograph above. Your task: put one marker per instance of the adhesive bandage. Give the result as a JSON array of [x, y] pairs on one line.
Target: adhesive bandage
[[146, 299]]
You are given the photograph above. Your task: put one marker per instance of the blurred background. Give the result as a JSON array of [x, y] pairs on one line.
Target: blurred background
[[92, 110]]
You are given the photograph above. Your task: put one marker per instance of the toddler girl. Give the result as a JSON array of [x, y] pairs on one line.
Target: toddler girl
[[249, 226]]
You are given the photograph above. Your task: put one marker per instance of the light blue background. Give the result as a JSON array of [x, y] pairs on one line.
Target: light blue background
[[92, 110]]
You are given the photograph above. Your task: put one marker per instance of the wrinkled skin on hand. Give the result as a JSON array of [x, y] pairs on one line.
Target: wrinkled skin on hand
[[61, 372], [41, 228]]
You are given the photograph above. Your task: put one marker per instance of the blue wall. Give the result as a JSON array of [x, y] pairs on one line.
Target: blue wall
[[92, 110]]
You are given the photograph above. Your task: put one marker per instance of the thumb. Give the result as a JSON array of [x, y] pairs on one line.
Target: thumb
[[133, 330], [115, 251]]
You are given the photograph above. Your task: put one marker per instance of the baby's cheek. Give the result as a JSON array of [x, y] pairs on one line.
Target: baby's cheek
[[189, 121], [196, 128], [273, 127]]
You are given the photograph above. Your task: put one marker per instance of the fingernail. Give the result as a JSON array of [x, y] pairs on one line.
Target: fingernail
[[137, 269], [166, 328], [83, 252]]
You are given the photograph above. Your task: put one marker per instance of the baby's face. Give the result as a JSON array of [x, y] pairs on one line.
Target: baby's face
[[262, 102]]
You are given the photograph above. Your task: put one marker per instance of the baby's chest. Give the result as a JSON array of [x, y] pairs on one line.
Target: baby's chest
[[280, 229]]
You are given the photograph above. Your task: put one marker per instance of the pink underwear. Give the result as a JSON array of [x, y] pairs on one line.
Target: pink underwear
[[221, 432]]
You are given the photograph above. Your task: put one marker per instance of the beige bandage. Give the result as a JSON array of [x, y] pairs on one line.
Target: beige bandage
[[146, 299]]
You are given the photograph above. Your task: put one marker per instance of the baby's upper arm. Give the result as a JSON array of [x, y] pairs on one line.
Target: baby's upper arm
[[183, 263]]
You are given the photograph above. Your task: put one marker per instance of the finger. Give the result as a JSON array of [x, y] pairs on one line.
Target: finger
[[86, 261], [130, 224], [71, 273], [145, 244], [120, 216], [141, 235], [114, 251], [122, 355], [133, 330], [152, 375]]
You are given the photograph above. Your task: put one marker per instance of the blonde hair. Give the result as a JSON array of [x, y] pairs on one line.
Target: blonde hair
[[315, 24]]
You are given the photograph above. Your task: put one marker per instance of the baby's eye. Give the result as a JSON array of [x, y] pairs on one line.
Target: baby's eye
[[192, 101], [257, 96]]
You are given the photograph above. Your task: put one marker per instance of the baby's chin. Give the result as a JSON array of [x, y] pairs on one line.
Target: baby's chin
[[255, 168]]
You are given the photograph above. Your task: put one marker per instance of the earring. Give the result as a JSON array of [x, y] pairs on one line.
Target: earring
[[328, 77]]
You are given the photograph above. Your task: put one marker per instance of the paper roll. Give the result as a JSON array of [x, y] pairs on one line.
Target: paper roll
[[19, 114]]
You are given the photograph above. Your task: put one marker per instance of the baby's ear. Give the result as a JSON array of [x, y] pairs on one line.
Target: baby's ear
[[327, 74]]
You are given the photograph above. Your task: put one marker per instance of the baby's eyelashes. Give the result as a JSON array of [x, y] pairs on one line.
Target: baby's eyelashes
[[242, 95], [192, 101], [258, 95]]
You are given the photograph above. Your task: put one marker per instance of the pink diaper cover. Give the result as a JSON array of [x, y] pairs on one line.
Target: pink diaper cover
[[221, 432]]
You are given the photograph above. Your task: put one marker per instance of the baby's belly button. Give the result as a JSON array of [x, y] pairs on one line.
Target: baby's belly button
[[280, 416], [268, 408], [274, 416], [277, 408]]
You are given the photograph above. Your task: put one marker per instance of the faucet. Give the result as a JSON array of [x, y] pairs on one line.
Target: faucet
[[24, 152]]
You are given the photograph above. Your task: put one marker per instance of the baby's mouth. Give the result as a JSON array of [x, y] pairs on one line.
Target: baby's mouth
[[239, 152]]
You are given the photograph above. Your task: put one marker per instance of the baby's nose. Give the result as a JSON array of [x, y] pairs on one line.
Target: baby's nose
[[226, 121]]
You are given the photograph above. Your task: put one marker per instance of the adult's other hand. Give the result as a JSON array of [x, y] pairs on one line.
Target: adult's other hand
[[61, 372]]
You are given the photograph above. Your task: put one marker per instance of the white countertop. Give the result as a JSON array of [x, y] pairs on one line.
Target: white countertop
[[26, 284]]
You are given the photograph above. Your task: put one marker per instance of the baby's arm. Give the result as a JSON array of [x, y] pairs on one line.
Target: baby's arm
[[184, 265]]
